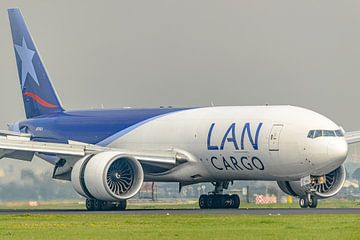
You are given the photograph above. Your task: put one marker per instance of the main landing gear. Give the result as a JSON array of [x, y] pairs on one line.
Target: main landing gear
[[217, 199], [308, 201], [98, 205]]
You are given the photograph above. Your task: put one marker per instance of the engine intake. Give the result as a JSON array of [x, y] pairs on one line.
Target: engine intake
[[107, 176], [323, 187]]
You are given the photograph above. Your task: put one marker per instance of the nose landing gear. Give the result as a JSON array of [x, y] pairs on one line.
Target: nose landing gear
[[308, 201], [217, 199]]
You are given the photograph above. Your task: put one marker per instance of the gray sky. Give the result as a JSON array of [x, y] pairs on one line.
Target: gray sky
[[189, 53]]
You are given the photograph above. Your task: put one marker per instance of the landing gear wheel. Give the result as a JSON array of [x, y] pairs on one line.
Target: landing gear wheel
[[304, 202], [235, 201], [203, 201], [217, 199], [98, 205], [121, 205], [90, 205], [227, 201], [313, 202], [210, 202]]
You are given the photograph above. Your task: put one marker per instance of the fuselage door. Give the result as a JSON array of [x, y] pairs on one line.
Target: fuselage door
[[275, 137]]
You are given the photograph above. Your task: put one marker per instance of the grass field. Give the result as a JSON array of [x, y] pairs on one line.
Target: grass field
[[114, 226], [179, 227]]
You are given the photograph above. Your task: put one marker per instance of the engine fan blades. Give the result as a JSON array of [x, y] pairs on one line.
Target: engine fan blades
[[327, 184], [120, 177]]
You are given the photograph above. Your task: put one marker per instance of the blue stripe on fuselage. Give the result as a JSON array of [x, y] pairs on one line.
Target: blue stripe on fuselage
[[93, 126]]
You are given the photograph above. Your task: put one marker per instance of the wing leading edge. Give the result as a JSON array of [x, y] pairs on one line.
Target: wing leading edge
[[352, 137], [20, 147]]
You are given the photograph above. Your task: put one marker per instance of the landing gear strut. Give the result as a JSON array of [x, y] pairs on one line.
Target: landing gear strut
[[98, 205], [308, 201], [217, 199]]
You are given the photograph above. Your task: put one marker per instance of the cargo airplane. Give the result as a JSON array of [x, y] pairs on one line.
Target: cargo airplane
[[108, 154]]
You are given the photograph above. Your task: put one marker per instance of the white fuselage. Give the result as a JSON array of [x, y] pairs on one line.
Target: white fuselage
[[241, 143]]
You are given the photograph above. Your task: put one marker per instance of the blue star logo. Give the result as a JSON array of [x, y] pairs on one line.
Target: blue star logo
[[27, 67]]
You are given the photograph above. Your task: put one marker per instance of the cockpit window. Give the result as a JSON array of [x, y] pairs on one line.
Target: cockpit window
[[339, 133], [318, 133], [328, 133], [325, 133], [311, 134]]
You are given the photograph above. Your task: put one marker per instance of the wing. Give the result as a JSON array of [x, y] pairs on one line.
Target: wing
[[352, 137], [20, 147], [13, 145]]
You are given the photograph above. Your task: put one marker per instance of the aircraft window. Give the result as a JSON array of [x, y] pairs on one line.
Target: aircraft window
[[318, 133], [325, 133], [328, 133], [311, 134], [339, 133]]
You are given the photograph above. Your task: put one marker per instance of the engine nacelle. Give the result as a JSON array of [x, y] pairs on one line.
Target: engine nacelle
[[322, 187], [107, 176]]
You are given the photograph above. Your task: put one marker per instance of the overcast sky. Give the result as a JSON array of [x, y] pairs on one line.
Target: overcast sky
[[192, 53]]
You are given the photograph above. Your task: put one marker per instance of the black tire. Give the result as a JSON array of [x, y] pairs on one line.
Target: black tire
[[121, 206], [304, 202], [89, 203], [98, 205], [219, 200], [235, 201], [203, 199], [227, 201], [211, 202], [313, 202]]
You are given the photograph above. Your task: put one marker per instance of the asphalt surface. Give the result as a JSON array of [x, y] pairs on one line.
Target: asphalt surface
[[252, 211]]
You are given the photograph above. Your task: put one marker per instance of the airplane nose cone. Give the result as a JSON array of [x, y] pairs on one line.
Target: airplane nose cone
[[337, 150]]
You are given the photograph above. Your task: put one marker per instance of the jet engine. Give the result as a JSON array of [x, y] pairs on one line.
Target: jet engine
[[324, 186], [107, 176]]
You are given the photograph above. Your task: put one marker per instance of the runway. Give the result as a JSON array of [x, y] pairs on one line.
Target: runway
[[250, 211]]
